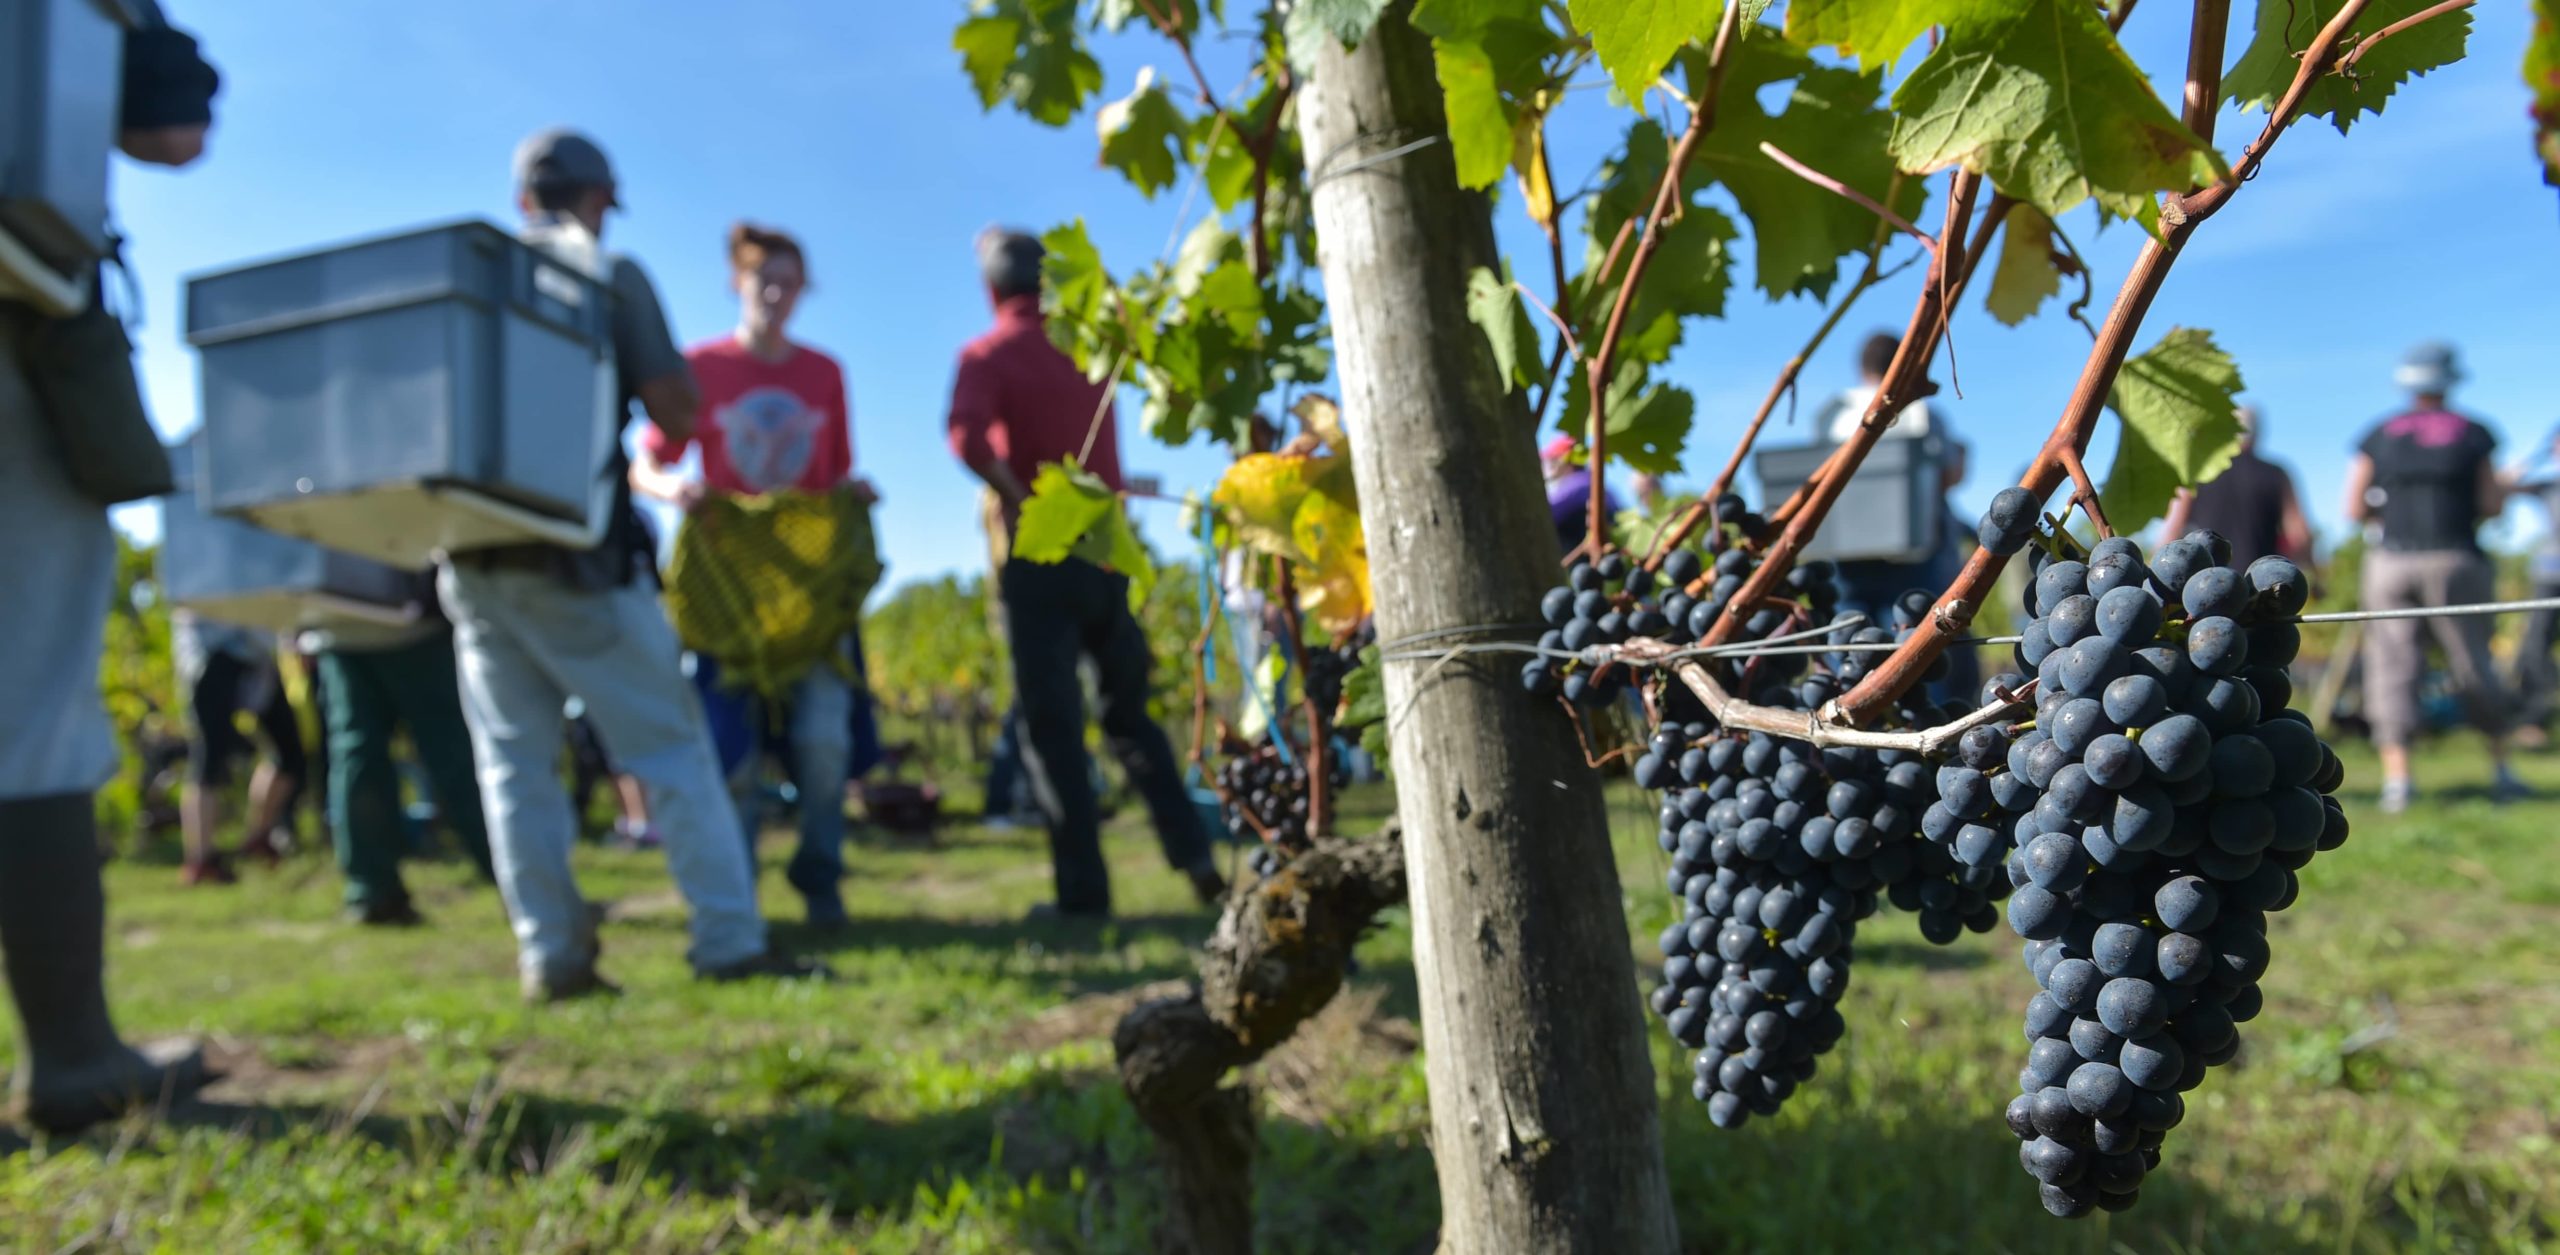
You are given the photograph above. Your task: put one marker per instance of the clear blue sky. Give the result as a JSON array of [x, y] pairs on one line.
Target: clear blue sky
[[852, 125]]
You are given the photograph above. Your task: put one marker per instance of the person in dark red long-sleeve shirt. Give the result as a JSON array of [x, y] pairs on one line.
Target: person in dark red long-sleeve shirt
[[1017, 404]]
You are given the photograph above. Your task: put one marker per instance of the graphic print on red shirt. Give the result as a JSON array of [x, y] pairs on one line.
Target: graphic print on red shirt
[[766, 426]]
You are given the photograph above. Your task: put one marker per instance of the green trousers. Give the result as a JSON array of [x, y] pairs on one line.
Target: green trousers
[[368, 696]]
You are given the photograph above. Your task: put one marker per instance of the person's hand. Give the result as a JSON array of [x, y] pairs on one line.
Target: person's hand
[[690, 495], [163, 146]]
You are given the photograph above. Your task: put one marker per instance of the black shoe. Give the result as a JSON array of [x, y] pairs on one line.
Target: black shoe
[[768, 965], [1052, 913], [385, 915]]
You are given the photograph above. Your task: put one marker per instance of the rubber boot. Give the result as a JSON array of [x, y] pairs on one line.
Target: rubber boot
[[73, 1070]]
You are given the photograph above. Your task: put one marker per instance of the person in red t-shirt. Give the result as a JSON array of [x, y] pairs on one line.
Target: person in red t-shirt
[[775, 417], [1018, 403]]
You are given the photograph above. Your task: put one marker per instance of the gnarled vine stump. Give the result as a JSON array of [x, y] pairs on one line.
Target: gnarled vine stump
[[1276, 959]]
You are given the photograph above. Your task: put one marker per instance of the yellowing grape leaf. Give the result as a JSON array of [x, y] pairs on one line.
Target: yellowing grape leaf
[[2265, 72], [1324, 418], [2025, 277], [2176, 400], [2038, 96], [1259, 497], [1334, 574], [1529, 161]]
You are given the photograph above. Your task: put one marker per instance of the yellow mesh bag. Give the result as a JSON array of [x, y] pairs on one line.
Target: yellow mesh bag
[[768, 586]]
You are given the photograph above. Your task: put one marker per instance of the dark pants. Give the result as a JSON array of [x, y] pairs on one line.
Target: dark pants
[[369, 696], [2537, 678], [1054, 616]]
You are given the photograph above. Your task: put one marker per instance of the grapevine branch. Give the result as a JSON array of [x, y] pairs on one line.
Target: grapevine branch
[[2180, 216], [1903, 381], [1807, 726], [1995, 211], [1666, 197], [2347, 63], [1848, 193]]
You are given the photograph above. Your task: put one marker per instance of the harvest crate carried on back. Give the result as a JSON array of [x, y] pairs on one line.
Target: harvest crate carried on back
[[434, 391]]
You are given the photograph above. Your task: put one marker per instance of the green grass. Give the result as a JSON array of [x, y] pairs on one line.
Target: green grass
[[952, 1091]]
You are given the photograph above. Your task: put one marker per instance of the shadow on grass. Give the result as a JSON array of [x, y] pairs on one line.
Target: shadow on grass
[[1895, 952]]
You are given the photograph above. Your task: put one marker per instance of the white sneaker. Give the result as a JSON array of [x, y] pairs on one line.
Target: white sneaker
[[2396, 796]]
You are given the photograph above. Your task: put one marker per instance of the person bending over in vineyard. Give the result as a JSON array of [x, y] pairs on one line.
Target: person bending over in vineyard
[[2421, 483], [775, 417], [225, 671], [1016, 403], [2252, 504], [535, 624], [56, 747], [1870, 586], [1569, 493]]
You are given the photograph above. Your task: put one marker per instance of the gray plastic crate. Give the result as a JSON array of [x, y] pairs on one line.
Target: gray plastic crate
[[237, 572], [434, 391], [60, 82], [1893, 510]]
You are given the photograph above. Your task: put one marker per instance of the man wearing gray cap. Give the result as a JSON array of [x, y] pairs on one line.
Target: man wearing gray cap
[[2421, 484], [535, 625]]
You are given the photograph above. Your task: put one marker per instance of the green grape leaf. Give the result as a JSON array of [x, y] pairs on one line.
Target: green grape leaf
[[1230, 295], [1686, 279], [1648, 422], [1066, 502], [2264, 72], [1072, 514], [1636, 39], [1226, 165], [2025, 277], [1364, 692], [1479, 121], [1876, 32], [1496, 307], [1075, 294], [1027, 53], [2542, 75], [1469, 19], [1296, 339], [1799, 232], [2038, 96], [2176, 400], [1141, 135], [1345, 22]]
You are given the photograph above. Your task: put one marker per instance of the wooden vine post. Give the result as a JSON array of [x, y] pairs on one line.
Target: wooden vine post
[[1542, 1094]]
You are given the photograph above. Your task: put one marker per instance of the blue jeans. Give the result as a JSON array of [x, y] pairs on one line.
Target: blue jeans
[[524, 643], [819, 748]]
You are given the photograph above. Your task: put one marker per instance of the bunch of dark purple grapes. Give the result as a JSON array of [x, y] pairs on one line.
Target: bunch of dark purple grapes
[[1778, 850], [1327, 667], [1270, 788], [1614, 600], [2170, 797]]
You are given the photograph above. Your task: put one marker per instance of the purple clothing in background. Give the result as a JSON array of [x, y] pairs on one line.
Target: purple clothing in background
[[1569, 504]]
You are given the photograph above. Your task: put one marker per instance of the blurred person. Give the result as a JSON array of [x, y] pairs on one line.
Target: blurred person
[[225, 671], [2421, 483], [2252, 504], [56, 746], [535, 624], [2537, 679], [1569, 493], [776, 416], [1016, 403], [375, 683], [1871, 586]]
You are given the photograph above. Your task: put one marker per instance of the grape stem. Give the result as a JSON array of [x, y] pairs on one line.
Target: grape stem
[[1808, 726], [2179, 218], [2085, 493]]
